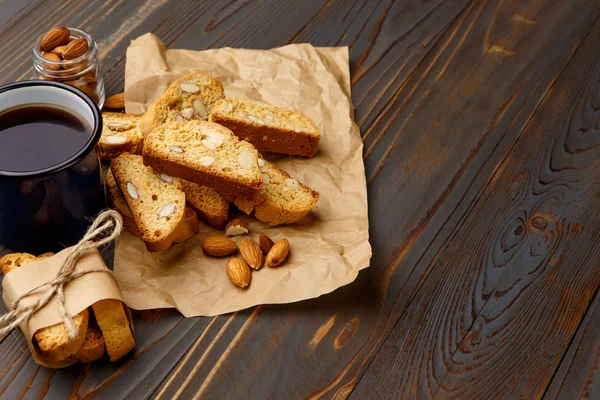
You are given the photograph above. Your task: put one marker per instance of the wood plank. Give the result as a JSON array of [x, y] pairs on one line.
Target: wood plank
[[577, 376], [11, 11], [331, 340], [326, 324], [498, 311]]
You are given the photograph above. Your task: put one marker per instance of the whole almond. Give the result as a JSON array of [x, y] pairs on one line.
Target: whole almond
[[75, 49], [265, 243], [218, 246], [239, 272], [82, 85], [60, 50], [252, 254], [115, 102], [57, 36], [51, 57], [278, 253]]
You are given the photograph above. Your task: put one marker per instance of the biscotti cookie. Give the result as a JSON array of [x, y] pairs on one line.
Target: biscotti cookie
[[120, 134], [53, 340], [204, 153], [157, 206], [118, 202], [210, 205], [113, 320], [282, 200], [189, 224], [267, 127], [189, 97], [92, 348]]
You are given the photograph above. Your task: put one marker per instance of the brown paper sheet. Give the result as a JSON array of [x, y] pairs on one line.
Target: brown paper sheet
[[328, 247], [79, 294]]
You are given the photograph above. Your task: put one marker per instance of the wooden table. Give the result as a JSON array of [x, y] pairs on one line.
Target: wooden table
[[481, 125]]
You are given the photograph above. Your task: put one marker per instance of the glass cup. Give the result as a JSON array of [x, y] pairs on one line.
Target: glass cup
[[49, 209], [84, 72]]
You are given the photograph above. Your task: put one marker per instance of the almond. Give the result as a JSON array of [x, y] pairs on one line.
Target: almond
[[117, 123], [252, 254], [115, 139], [166, 178], [176, 149], [82, 85], [60, 50], [206, 160], [51, 57], [189, 87], [214, 136], [265, 243], [200, 108], [246, 159], [115, 102], [167, 210], [266, 179], [255, 119], [278, 253], [76, 48], [236, 227], [132, 191], [238, 272], [187, 113], [218, 246], [208, 144], [57, 36]]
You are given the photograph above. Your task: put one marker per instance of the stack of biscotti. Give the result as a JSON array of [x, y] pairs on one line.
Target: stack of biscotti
[[120, 134], [106, 328], [158, 206], [120, 204], [212, 163]]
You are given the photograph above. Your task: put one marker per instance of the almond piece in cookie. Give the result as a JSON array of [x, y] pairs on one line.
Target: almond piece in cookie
[[236, 227]]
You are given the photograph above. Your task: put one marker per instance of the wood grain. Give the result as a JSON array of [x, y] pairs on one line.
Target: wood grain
[[501, 305], [380, 294], [578, 375], [444, 89]]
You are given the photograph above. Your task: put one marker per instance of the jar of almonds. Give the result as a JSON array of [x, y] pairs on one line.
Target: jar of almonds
[[70, 55]]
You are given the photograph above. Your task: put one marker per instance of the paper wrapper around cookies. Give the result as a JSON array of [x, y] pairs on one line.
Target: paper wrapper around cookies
[[328, 247], [80, 294]]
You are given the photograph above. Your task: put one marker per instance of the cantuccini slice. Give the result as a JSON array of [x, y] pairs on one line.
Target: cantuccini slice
[[210, 205], [189, 224], [189, 97], [282, 199], [120, 134], [119, 203], [204, 153], [267, 127], [53, 340], [112, 318], [157, 206], [92, 348]]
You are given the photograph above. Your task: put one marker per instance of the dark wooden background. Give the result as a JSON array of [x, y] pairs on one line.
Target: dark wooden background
[[480, 121]]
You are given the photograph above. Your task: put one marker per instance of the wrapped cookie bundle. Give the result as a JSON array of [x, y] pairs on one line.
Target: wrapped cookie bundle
[[67, 305]]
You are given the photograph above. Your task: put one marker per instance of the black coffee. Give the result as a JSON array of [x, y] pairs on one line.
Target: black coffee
[[39, 136]]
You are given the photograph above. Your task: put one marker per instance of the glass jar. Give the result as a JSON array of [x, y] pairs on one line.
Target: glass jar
[[83, 72]]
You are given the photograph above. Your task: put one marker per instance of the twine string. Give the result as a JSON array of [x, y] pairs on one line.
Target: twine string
[[107, 226]]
